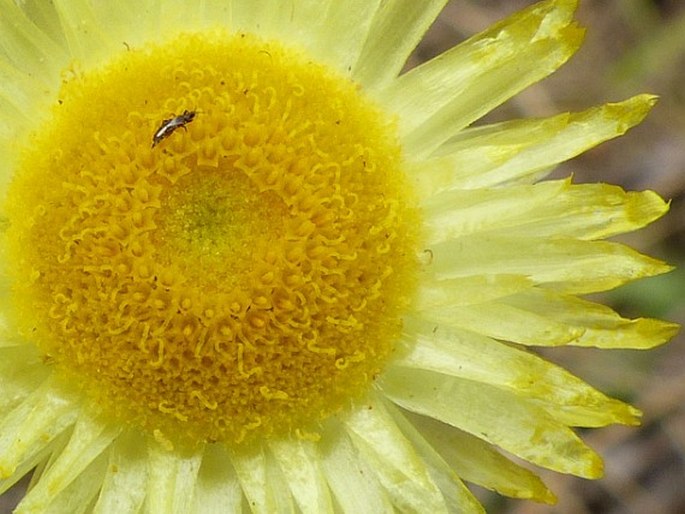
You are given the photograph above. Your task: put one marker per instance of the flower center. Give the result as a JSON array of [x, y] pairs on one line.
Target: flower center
[[213, 237]]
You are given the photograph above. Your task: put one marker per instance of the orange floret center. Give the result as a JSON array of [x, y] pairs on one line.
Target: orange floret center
[[213, 237]]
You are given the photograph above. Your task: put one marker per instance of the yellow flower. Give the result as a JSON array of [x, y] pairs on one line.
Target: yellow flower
[[246, 266]]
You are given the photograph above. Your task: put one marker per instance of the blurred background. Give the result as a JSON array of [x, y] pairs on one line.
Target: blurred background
[[631, 47]]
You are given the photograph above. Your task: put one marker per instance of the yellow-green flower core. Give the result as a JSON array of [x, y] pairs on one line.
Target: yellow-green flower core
[[246, 275]]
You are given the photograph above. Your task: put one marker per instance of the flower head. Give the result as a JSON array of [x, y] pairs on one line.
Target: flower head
[[245, 261]]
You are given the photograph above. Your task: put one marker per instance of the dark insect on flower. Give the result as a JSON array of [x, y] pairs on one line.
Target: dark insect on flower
[[168, 126]]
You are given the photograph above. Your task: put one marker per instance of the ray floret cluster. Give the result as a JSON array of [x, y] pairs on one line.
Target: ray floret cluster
[[319, 289]]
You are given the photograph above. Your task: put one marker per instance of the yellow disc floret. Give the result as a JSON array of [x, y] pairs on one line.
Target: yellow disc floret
[[213, 237]]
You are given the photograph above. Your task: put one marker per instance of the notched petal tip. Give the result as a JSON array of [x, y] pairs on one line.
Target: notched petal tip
[[548, 498], [594, 468], [439, 98], [630, 112], [567, 6], [655, 332], [644, 207]]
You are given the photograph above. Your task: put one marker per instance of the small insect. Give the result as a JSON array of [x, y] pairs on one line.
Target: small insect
[[168, 126]]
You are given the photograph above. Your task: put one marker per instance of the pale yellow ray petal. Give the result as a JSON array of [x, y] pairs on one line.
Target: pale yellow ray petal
[[470, 211], [35, 422], [467, 355], [394, 460], [396, 30], [20, 101], [545, 318], [101, 29], [493, 414], [12, 120], [250, 467], [245, 15], [350, 479], [57, 445], [333, 32], [218, 489], [448, 93], [44, 16], [123, 486], [216, 12], [601, 326], [290, 21], [263, 17], [33, 462], [171, 479], [468, 290], [572, 266], [21, 372], [87, 40], [306, 23], [26, 45], [500, 320], [174, 16], [139, 22], [541, 317], [10, 134], [76, 498], [262, 482], [480, 463], [299, 462], [593, 211], [342, 32], [278, 489], [458, 497], [128, 24], [9, 337], [547, 209], [524, 149], [90, 438]]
